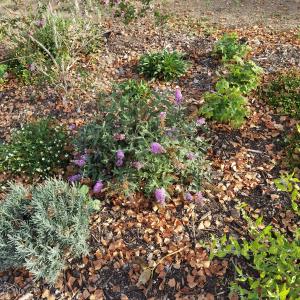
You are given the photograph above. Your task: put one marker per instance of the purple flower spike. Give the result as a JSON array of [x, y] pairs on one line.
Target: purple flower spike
[[120, 155], [72, 127], [188, 196], [79, 162], [200, 121], [119, 163], [160, 195], [98, 187], [178, 96], [191, 156], [162, 115], [199, 198], [74, 178], [138, 165], [157, 148]]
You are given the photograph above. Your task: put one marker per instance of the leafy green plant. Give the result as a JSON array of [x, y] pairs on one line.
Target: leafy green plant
[[284, 92], [41, 228], [142, 142], [229, 47], [272, 259], [163, 65], [37, 149], [225, 105], [160, 18], [293, 148], [290, 183], [244, 75], [3, 69]]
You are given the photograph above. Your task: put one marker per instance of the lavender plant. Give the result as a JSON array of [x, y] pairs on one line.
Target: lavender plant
[[43, 227], [143, 142]]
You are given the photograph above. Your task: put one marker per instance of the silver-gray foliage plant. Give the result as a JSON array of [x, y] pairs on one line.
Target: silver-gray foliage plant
[[42, 227]]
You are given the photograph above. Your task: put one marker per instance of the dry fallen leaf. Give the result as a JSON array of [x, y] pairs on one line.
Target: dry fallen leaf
[[172, 282], [144, 277]]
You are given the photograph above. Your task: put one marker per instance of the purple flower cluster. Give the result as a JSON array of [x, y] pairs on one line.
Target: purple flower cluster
[[98, 187], [74, 178], [162, 115], [188, 196], [120, 158], [178, 96], [160, 195], [157, 148], [200, 121], [191, 156], [81, 161]]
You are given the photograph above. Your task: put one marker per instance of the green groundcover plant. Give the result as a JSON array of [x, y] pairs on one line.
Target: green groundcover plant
[[226, 105], [272, 258], [293, 148], [284, 92], [244, 75], [163, 65], [3, 71], [229, 47], [41, 228], [37, 149], [291, 184], [142, 143]]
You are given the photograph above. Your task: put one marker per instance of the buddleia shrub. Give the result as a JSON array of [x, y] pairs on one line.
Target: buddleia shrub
[[283, 92], [244, 75], [229, 47], [37, 149], [141, 142], [226, 105], [163, 65], [43, 226]]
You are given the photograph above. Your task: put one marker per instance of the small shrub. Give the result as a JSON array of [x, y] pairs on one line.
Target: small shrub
[[225, 105], [273, 259], [37, 149], [229, 47], [284, 92], [3, 69], [163, 65], [244, 75], [43, 227], [293, 148], [142, 142], [291, 184]]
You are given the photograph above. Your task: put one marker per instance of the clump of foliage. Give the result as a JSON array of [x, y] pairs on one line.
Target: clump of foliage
[[47, 45], [229, 47], [142, 142], [37, 149], [244, 75], [293, 147], [163, 65], [3, 69], [43, 227], [227, 104], [284, 92], [160, 18], [272, 257], [291, 184], [129, 11]]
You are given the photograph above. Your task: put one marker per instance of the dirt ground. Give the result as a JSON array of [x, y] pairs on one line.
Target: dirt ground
[[278, 13]]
